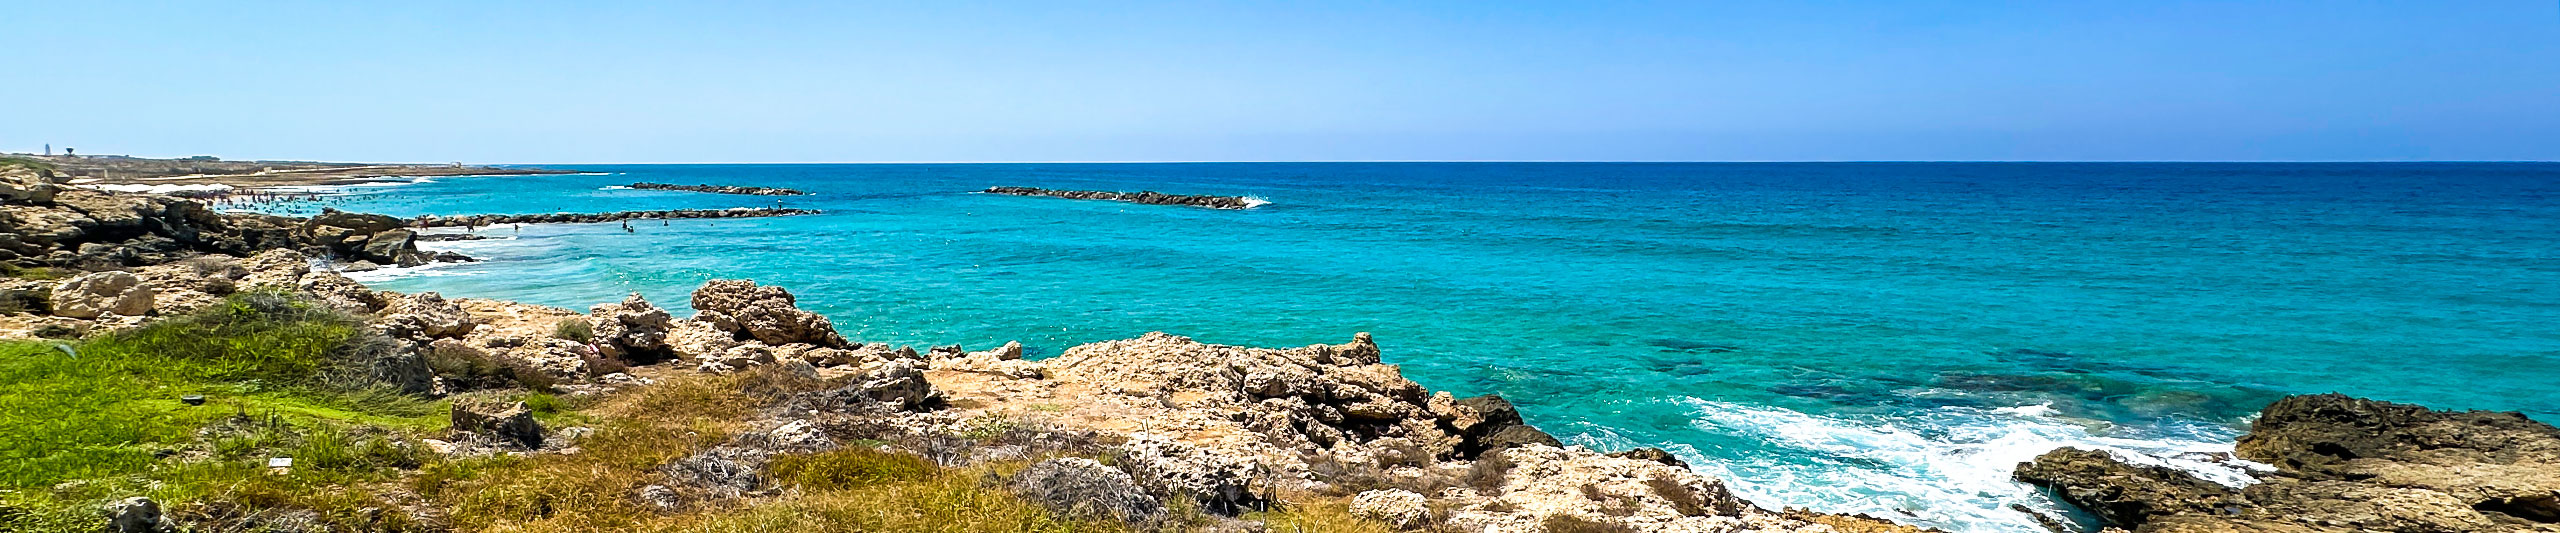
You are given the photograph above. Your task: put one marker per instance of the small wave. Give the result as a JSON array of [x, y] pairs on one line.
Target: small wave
[[397, 272], [1254, 201], [614, 188], [1949, 467]]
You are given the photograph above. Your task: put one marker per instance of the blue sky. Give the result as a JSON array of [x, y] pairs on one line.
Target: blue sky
[[1287, 81]]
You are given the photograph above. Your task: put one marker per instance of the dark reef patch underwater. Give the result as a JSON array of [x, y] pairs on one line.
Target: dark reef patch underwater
[[1888, 338]]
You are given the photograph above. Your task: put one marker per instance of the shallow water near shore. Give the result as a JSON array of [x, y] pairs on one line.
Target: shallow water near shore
[[1887, 338]]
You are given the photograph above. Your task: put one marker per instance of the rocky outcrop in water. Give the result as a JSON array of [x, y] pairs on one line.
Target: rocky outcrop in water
[[2341, 464], [720, 189], [1143, 197], [434, 221]]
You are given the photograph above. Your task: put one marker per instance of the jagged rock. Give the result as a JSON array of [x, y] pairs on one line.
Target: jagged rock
[[1005, 361], [559, 359], [764, 313], [2342, 464], [695, 339], [389, 245], [1657, 455], [510, 421], [1499, 427], [424, 317], [27, 185], [1220, 483], [99, 294], [1082, 487], [1316, 397], [2119, 493], [801, 435], [897, 383], [135, 515], [1401, 508], [1546, 481], [632, 330]]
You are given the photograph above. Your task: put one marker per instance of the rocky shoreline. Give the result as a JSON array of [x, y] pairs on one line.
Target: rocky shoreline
[[2340, 464], [1144, 197], [720, 189], [1185, 424], [434, 221]]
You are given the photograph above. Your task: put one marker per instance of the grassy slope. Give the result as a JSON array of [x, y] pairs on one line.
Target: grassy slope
[[76, 431]]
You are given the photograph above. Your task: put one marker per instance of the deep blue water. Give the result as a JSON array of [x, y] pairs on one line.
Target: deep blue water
[[1888, 338]]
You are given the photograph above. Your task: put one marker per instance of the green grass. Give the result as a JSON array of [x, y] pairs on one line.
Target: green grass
[[108, 422]]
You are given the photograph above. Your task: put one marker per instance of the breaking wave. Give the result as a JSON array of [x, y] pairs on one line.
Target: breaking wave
[[1948, 468]]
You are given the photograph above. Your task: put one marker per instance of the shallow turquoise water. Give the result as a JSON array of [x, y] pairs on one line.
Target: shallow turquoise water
[[1883, 338]]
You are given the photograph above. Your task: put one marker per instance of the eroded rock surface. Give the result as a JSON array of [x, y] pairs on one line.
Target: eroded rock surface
[[766, 313], [2342, 464]]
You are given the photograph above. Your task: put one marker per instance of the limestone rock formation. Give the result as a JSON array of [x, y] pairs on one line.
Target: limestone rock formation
[[633, 330], [424, 317], [99, 294], [510, 421], [1401, 508], [763, 313], [2342, 464]]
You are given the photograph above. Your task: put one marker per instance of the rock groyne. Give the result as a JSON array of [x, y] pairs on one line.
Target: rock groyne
[[1142, 197], [434, 221], [721, 189]]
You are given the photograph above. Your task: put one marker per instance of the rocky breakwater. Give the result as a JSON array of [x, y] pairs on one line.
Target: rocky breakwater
[[720, 189], [2340, 464], [434, 221], [1144, 197]]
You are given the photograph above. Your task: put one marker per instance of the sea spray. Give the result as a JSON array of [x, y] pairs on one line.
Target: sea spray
[[1948, 467]]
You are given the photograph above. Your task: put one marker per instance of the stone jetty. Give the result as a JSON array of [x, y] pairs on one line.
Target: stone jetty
[[433, 221], [1143, 197], [721, 189]]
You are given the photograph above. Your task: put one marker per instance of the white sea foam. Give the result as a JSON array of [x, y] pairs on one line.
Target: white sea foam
[[1253, 202], [397, 272], [614, 188], [1947, 468], [160, 189]]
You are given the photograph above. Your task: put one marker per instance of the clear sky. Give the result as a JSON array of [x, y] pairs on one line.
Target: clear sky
[[536, 82]]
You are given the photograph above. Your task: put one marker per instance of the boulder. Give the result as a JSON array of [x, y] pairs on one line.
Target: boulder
[[424, 317], [134, 515], [763, 313], [899, 384], [633, 330], [509, 421], [1498, 427], [100, 294], [1400, 508], [389, 245], [1081, 487]]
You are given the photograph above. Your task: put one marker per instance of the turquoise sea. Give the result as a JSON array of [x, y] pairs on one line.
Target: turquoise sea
[[1888, 338]]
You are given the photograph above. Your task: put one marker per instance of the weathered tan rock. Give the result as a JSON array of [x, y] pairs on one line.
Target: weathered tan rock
[[510, 421], [423, 317], [632, 330], [764, 313], [100, 294], [1005, 361], [1401, 508], [2343, 464]]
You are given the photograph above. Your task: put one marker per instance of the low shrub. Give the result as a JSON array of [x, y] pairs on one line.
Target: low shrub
[[575, 328]]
